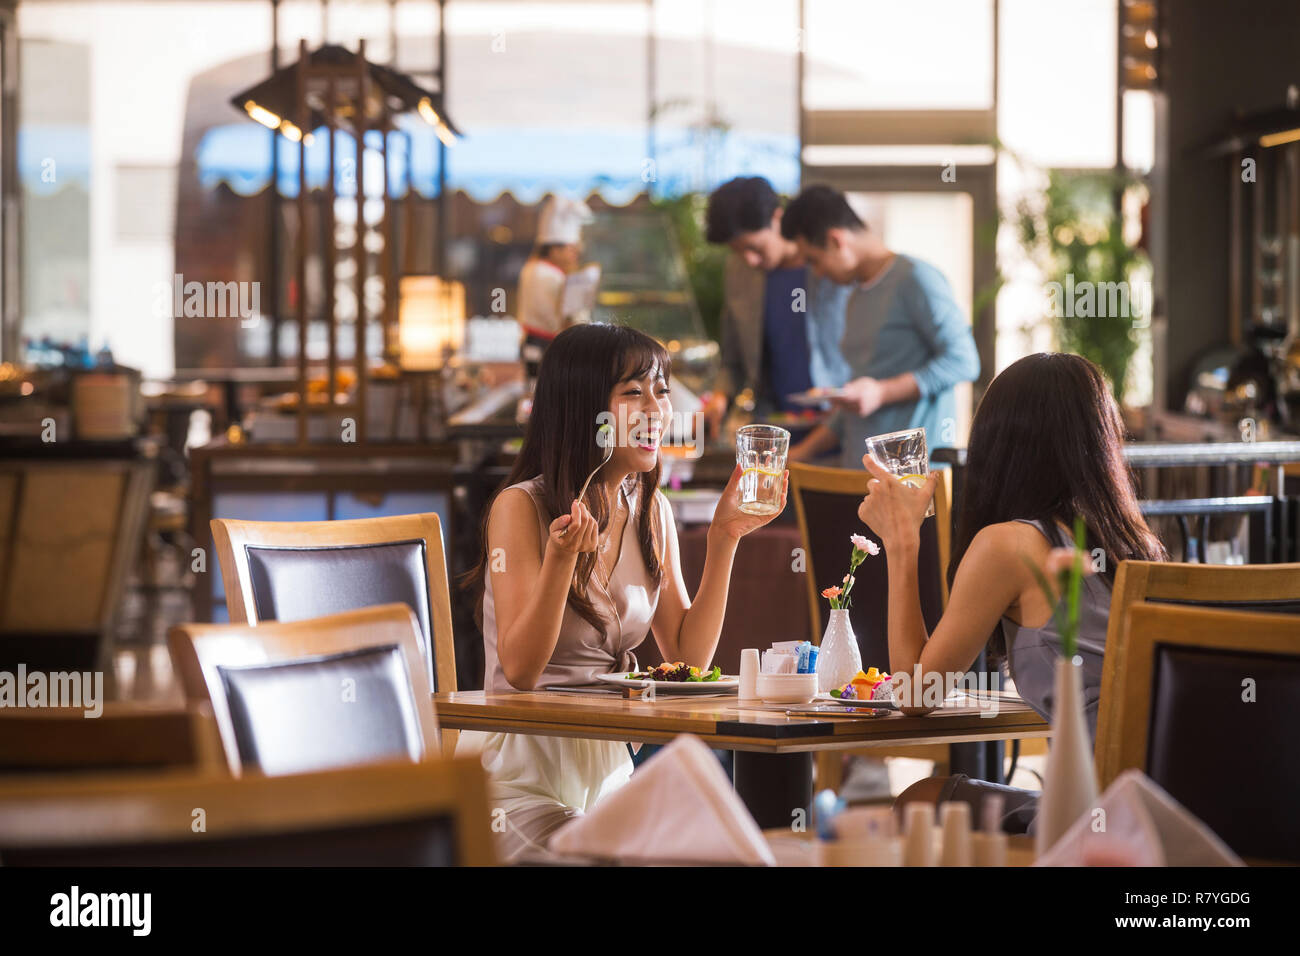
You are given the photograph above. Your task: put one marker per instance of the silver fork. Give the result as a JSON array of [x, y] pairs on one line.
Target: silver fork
[[609, 453]]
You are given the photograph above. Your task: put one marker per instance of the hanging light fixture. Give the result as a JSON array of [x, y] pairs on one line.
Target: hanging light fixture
[[276, 97]]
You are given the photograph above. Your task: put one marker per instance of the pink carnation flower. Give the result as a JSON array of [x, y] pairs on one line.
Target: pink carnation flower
[[863, 543], [1060, 560]]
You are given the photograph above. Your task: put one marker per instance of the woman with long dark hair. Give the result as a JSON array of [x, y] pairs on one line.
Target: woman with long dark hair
[[1046, 446], [571, 587]]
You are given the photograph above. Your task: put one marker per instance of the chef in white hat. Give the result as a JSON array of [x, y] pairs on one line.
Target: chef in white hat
[[541, 282]]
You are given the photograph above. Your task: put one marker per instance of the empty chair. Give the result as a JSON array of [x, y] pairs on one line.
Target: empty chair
[[1272, 588], [291, 570], [69, 534], [429, 814], [295, 697], [1205, 703]]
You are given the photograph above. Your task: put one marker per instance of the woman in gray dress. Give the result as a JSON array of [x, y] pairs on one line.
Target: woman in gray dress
[[571, 587], [1046, 445]]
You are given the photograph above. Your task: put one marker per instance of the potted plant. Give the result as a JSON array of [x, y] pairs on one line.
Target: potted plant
[[1094, 293]]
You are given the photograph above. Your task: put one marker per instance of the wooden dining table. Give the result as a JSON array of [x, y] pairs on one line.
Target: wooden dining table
[[773, 748]]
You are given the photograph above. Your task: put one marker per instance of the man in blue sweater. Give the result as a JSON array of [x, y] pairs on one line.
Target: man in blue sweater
[[905, 339]]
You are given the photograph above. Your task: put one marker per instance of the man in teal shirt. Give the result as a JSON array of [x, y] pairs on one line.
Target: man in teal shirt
[[781, 326], [905, 339]]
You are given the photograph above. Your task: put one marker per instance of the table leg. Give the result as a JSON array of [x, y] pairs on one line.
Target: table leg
[[970, 759], [774, 786]]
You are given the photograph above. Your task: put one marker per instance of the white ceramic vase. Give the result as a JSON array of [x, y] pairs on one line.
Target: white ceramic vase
[[838, 658], [1070, 782]]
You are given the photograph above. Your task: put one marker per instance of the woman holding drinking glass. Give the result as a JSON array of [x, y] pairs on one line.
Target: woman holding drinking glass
[[1046, 446], [571, 586]]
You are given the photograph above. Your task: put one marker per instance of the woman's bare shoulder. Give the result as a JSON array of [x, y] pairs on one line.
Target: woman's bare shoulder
[[514, 508], [1008, 538]]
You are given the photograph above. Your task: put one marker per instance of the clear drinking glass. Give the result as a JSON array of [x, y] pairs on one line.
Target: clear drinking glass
[[903, 454], [760, 452]]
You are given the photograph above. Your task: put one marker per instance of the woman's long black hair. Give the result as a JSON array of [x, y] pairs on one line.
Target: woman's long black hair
[[574, 383], [1047, 442]]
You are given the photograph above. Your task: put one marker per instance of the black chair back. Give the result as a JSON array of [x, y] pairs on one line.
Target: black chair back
[[424, 841], [323, 712], [831, 517], [1281, 606], [293, 584], [1222, 741]]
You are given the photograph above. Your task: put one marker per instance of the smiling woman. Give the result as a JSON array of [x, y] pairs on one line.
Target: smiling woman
[[574, 575]]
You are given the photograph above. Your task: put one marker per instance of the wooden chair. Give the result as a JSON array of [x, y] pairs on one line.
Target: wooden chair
[[307, 695], [427, 814], [126, 735], [69, 534], [826, 503], [291, 570], [1205, 705], [1272, 588]]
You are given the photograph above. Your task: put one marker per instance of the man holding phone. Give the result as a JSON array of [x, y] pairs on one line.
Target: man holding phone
[[781, 325], [906, 340]]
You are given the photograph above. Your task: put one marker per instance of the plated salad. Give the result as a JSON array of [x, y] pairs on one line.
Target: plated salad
[[678, 672]]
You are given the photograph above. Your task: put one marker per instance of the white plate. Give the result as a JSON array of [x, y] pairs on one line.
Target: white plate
[[723, 684], [880, 704]]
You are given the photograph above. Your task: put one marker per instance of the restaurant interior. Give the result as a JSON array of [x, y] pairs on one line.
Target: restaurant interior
[[284, 307]]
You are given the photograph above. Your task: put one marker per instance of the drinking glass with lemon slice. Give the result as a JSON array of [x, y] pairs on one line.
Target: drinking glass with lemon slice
[[903, 454], [760, 452]]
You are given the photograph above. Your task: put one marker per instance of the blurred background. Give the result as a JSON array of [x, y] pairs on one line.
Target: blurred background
[[1012, 143]]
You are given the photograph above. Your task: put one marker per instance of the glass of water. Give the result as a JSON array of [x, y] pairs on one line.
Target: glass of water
[[760, 453], [903, 454]]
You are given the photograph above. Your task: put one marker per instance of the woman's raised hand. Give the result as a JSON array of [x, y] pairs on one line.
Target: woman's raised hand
[[892, 509], [575, 532], [730, 521]]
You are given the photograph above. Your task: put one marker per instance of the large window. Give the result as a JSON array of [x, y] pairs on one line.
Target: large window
[[882, 54], [108, 118]]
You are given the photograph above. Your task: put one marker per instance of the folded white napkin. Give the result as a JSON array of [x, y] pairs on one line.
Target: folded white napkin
[[1140, 824], [678, 806], [780, 662]]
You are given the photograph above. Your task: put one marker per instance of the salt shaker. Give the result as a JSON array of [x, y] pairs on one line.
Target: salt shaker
[[954, 818], [749, 673], [918, 838], [991, 843]]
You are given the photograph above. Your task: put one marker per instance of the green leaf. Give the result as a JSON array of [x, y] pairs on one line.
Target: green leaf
[[1070, 639]]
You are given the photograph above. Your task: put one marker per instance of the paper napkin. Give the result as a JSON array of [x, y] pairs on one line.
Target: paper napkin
[[678, 806], [1137, 823]]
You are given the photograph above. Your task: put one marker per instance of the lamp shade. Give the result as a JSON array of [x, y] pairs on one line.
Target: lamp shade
[[430, 321], [274, 101]]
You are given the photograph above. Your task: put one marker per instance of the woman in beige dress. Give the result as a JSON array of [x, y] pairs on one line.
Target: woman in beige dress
[[570, 588]]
